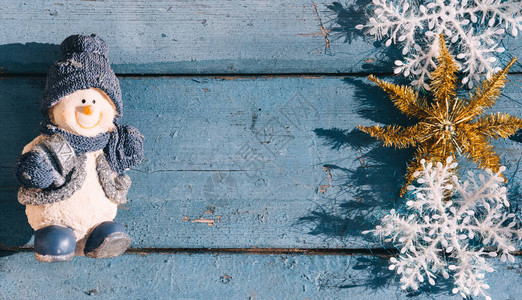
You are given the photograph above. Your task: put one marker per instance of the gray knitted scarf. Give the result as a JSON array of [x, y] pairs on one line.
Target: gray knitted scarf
[[123, 147]]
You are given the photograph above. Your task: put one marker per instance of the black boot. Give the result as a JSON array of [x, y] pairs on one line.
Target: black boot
[[107, 240], [54, 243]]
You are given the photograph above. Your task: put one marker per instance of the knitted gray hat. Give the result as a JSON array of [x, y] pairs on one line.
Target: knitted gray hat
[[84, 64]]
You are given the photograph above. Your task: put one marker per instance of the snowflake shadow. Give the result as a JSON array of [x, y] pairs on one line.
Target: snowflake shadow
[[356, 196], [362, 189], [371, 273], [340, 22], [381, 276], [517, 137]]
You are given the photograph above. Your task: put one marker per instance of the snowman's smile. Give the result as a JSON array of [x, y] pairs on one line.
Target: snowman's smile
[[87, 121]]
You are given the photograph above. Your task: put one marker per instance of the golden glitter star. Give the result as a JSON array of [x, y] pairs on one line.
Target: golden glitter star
[[447, 125]]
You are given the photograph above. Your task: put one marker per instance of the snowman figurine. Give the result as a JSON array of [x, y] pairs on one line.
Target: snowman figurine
[[72, 175]]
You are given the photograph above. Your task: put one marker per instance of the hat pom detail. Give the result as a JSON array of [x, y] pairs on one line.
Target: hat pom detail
[[84, 43]]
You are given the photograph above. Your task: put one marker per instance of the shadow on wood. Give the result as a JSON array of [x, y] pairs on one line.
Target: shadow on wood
[[517, 137], [358, 194], [16, 231], [374, 275], [38, 56], [341, 23], [18, 114], [343, 19]]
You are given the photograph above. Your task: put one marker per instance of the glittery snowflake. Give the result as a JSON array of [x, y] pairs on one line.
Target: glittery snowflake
[[450, 229], [474, 28]]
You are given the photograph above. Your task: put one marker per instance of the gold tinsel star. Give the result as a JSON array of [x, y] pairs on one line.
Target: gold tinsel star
[[447, 125]]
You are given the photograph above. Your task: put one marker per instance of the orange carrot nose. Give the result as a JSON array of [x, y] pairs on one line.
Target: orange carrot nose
[[88, 110]]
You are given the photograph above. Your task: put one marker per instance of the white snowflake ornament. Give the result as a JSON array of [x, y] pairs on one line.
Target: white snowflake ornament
[[450, 228], [474, 28]]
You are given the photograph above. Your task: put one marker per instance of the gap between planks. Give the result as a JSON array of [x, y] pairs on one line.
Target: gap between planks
[[226, 76], [380, 252], [219, 75], [216, 75]]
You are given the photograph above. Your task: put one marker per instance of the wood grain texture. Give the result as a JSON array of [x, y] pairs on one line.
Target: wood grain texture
[[158, 276], [201, 37], [239, 162]]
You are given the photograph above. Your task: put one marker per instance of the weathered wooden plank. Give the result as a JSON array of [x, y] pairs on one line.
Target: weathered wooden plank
[[200, 37], [243, 162], [163, 276]]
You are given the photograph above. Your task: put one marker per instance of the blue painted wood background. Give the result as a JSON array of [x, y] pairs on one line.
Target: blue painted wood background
[[256, 183]]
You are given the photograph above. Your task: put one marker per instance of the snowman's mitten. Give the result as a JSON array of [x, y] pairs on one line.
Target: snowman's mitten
[[125, 148], [48, 163], [33, 170]]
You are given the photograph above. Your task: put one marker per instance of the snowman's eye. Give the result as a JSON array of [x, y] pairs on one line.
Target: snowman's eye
[[93, 101], [83, 101]]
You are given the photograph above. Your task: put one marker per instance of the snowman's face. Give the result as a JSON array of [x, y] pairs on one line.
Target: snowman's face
[[86, 112]]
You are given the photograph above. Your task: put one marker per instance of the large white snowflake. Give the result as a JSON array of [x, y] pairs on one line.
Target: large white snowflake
[[450, 228], [474, 28]]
